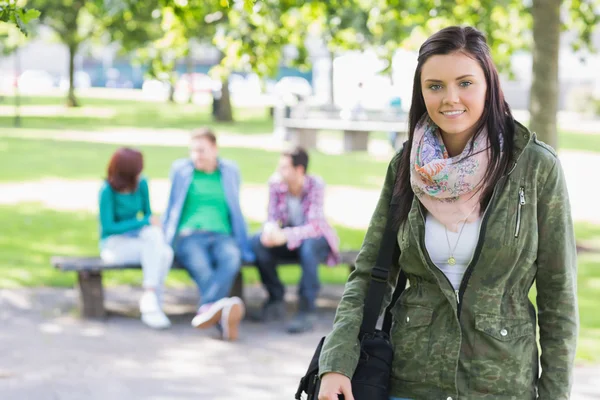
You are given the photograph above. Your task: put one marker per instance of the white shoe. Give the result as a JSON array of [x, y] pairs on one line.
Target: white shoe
[[209, 314], [152, 315], [232, 315]]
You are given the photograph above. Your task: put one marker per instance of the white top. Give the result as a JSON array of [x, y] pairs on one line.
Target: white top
[[436, 244], [295, 213]]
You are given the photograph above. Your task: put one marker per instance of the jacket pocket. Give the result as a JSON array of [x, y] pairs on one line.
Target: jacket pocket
[[410, 338], [504, 356]]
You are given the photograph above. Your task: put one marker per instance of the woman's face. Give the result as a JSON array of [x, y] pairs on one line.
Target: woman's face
[[454, 90]]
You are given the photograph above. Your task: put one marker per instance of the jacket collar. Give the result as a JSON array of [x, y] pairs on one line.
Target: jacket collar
[[522, 138]]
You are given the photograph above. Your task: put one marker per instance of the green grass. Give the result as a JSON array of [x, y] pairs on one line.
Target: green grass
[[588, 349], [33, 159], [97, 114], [579, 141], [162, 115], [31, 234]]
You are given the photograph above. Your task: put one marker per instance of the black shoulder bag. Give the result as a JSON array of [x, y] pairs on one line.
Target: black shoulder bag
[[371, 378]]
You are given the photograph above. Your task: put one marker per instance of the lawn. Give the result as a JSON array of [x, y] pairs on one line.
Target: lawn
[[31, 234], [98, 114], [33, 159]]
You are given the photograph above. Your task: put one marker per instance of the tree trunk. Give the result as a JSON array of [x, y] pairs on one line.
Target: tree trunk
[[172, 84], [331, 98], [71, 99], [189, 62], [543, 103], [224, 113]]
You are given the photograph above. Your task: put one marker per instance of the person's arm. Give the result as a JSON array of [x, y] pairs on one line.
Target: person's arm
[[167, 213], [107, 216], [246, 247], [314, 218], [556, 283], [145, 192], [340, 351], [272, 213]]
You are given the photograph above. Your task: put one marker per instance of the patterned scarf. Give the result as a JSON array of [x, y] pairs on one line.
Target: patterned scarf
[[447, 186]]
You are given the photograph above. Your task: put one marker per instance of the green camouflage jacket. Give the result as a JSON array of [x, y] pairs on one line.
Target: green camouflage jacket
[[479, 342]]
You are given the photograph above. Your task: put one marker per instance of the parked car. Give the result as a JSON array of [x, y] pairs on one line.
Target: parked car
[[114, 79], [35, 81], [81, 79]]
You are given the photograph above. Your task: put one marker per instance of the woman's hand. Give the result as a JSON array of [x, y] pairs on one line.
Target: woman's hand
[[333, 384], [154, 220]]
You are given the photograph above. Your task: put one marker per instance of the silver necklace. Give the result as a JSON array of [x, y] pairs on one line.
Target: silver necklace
[[452, 260]]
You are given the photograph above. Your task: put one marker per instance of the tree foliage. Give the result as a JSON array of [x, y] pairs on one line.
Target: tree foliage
[[12, 13]]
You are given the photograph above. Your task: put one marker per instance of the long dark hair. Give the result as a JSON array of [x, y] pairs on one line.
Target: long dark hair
[[124, 168], [496, 116]]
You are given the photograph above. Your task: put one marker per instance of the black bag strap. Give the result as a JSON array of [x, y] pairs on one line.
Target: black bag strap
[[379, 278], [388, 251]]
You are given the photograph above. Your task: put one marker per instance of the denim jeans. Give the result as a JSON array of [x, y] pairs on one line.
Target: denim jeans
[[213, 261], [311, 253]]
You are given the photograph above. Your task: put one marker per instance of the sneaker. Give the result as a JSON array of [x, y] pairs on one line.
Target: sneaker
[[152, 315], [209, 314], [232, 315], [270, 311], [304, 321]]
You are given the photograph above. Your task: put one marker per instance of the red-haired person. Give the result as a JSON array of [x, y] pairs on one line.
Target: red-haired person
[[129, 233]]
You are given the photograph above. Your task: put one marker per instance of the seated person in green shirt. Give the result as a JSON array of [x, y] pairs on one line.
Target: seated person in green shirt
[[204, 223], [129, 233]]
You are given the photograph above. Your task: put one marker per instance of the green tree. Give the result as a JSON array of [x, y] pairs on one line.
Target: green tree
[[582, 16], [509, 25], [248, 35], [13, 13], [73, 21]]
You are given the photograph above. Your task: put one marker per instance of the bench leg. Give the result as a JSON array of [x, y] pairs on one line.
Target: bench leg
[[306, 138], [356, 141], [91, 294], [238, 287]]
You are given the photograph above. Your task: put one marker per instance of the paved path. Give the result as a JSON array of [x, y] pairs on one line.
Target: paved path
[[46, 353]]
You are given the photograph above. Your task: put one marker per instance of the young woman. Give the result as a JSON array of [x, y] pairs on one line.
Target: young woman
[[129, 233], [483, 214]]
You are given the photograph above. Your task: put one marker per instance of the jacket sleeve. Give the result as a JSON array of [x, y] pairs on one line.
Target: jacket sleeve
[[246, 247], [145, 190], [340, 351], [167, 213], [272, 215], [556, 283]]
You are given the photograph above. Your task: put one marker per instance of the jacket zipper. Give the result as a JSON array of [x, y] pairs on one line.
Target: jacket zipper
[[476, 253], [521, 204]]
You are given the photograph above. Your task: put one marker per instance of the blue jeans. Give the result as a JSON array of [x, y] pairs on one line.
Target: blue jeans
[[311, 253], [213, 260]]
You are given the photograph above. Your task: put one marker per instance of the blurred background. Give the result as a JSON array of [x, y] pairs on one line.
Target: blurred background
[[80, 78]]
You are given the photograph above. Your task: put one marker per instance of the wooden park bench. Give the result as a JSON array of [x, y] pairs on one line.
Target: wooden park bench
[[89, 278], [303, 131]]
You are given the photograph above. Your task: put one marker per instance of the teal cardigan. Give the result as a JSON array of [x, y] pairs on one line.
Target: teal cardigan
[[123, 212]]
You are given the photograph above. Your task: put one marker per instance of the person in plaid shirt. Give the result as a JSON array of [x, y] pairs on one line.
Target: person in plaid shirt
[[295, 229]]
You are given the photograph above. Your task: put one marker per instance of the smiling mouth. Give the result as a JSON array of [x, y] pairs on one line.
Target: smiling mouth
[[454, 112]]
